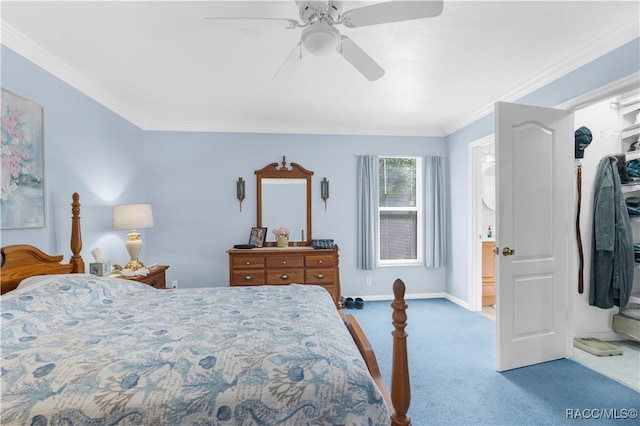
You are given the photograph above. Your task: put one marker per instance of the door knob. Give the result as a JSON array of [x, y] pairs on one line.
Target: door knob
[[507, 251]]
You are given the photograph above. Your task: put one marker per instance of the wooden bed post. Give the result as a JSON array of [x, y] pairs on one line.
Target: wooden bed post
[[400, 384], [76, 236]]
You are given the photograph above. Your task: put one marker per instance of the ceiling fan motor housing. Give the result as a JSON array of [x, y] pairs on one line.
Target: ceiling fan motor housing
[[313, 10]]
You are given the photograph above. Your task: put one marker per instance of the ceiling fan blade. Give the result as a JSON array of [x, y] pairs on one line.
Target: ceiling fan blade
[[249, 23], [359, 59], [391, 11], [290, 65]]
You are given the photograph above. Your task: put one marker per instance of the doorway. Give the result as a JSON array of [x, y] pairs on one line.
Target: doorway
[[483, 217]]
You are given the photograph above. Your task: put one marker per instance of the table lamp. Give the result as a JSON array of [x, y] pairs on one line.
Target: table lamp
[[132, 216]]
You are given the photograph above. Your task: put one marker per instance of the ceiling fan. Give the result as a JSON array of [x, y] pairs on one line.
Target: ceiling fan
[[319, 34]]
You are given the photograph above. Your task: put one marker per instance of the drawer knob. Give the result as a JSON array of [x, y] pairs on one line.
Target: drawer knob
[[284, 262], [284, 276], [154, 283], [248, 263], [248, 278], [320, 276], [319, 261]]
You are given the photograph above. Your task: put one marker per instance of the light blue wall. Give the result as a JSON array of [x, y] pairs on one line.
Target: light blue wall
[[88, 149], [609, 68], [189, 178], [190, 181]]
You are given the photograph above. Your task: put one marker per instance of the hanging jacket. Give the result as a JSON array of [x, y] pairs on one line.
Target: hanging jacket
[[612, 259]]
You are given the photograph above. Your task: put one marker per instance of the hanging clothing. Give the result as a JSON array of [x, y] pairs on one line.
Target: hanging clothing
[[612, 257]]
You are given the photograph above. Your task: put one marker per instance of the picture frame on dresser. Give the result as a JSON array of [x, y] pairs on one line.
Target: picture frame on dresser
[[22, 193], [257, 236]]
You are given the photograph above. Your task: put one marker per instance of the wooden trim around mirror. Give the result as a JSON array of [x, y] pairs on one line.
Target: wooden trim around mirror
[[272, 171]]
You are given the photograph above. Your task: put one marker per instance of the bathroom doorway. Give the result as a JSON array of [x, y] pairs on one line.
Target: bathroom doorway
[[483, 225]]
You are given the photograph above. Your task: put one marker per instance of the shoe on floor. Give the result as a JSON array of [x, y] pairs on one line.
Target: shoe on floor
[[349, 303], [359, 302]]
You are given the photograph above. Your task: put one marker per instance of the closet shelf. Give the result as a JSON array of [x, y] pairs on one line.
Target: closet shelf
[[630, 187], [631, 131], [630, 107], [630, 103], [632, 155]]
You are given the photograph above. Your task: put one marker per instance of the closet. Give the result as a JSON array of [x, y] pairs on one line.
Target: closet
[[629, 110]]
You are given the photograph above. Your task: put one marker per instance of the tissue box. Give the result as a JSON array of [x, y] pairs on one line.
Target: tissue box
[[101, 269]]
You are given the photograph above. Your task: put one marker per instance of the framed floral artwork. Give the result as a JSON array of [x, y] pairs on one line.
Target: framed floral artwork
[[22, 179]]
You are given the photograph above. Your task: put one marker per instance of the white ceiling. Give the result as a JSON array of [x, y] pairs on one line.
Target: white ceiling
[[156, 65]]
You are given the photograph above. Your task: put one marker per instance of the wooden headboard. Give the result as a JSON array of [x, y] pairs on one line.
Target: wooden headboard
[[23, 260]]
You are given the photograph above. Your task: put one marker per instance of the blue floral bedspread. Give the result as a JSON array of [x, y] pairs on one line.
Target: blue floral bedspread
[[79, 349]]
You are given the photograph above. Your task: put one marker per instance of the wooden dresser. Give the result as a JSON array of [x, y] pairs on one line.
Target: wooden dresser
[[488, 273], [286, 265]]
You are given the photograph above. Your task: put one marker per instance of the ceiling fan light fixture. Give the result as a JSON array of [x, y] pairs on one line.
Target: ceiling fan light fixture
[[320, 38]]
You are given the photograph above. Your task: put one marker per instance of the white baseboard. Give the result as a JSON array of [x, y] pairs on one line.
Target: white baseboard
[[449, 297], [607, 336], [408, 296], [459, 302]]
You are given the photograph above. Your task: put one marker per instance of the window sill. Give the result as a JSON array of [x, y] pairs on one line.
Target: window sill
[[387, 264]]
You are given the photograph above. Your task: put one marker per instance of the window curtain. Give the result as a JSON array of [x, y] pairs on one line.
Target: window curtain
[[435, 199], [367, 211]]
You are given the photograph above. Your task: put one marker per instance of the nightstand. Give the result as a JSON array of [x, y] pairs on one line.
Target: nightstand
[[156, 277]]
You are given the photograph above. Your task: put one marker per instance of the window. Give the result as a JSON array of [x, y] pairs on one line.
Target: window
[[400, 209]]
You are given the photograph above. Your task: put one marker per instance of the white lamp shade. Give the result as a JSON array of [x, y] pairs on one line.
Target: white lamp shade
[[132, 216]]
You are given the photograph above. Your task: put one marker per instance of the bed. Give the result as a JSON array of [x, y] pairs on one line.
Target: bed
[[82, 349]]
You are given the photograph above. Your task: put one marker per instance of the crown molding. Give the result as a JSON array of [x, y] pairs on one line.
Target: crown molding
[[615, 88], [624, 34], [285, 128], [18, 42], [27, 48]]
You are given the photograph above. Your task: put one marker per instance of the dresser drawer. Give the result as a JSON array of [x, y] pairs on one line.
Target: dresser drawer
[[285, 261], [285, 276], [248, 277], [319, 276], [318, 261], [248, 262]]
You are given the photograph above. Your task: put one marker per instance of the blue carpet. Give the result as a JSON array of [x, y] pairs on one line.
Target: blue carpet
[[454, 380]]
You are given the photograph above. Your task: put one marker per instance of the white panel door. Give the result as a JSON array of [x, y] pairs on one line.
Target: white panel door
[[534, 158]]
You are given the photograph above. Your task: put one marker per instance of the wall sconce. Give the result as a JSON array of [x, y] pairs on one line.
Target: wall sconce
[[324, 191], [240, 191]]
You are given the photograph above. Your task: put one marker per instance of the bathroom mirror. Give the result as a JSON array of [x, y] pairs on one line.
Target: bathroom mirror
[[284, 199], [489, 187]]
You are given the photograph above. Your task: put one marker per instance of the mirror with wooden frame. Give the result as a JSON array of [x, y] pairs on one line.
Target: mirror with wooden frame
[[284, 200]]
